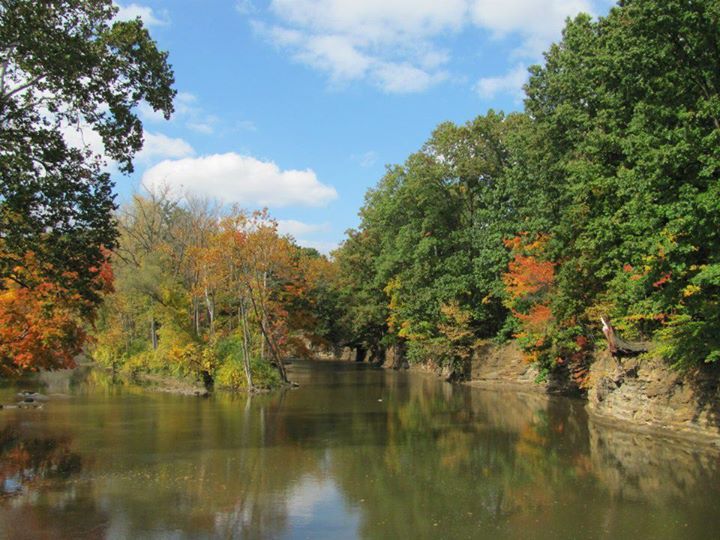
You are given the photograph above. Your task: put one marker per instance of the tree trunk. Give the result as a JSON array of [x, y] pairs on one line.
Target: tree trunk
[[264, 321], [617, 346], [153, 334], [210, 309], [196, 315], [246, 345]]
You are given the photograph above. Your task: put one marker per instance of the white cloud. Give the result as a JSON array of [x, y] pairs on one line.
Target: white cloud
[[336, 55], [531, 17], [322, 246], [147, 114], [386, 42], [84, 137], [185, 103], [187, 111], [510, 83], [299, 228], [404, 78], [378, 21], [156, 145], [159, 146], [146, 14], [395, 44], [242, 179]]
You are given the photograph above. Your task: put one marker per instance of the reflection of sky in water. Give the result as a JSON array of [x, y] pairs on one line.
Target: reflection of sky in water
[[329, 461], [12, 485], [316, 510]]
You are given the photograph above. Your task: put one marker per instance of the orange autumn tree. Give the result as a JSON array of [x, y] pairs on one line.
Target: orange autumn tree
[[42, 322], [528, 285]]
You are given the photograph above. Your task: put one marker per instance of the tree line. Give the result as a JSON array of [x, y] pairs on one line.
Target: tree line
[[600, 199]]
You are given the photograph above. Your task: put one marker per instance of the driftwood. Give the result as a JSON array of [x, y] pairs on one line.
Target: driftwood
[[619, 347]]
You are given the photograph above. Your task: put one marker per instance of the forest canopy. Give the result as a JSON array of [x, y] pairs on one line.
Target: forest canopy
[[602, 198]]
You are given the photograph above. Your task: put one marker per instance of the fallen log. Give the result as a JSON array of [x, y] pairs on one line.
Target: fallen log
[[619, 347]]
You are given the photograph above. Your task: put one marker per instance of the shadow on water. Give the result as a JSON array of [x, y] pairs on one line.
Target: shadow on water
[[354, 452]]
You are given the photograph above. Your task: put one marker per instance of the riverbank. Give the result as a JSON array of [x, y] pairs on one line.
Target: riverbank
[[641, 395]]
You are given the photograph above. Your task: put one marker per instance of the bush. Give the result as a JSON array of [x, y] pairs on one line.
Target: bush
[[230, 374]]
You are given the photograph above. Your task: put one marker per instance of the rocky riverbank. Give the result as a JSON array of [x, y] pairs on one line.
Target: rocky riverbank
[[638, 394], [642, 395]]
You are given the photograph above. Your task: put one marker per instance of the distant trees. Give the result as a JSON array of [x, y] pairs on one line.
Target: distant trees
[[64, 65], [601, 199], [209, 293]]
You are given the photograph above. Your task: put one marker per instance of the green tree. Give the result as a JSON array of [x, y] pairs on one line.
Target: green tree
[[628, 110], [65, 64]]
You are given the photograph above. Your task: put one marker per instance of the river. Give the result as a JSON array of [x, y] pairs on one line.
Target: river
[[354, 452]]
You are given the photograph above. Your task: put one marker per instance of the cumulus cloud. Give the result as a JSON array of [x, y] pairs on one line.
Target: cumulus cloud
[[156, 145], [146, 14], [510, 83], [300, 228], [538, 22], [384, 41], [159, 146], [234, 178], [373, 20], [394, 44]]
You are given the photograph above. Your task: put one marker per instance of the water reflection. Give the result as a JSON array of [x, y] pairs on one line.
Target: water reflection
[[26, 461], [354, 452]]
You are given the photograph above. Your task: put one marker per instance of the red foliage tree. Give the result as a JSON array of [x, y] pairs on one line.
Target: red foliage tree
[[528, 284], [42, 323]]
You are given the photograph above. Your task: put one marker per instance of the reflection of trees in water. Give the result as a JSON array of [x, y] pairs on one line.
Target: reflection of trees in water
[[490, 464], [204, 467], [26, 461], [430, 460], [636, 467], [33, 506]]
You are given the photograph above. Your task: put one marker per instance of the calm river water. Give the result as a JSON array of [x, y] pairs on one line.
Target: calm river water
[[355, 452]]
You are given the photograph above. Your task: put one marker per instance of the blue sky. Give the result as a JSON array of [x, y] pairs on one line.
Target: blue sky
[[298, 105]]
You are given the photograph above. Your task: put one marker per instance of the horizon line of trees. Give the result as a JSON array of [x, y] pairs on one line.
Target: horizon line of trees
[[601, 198]]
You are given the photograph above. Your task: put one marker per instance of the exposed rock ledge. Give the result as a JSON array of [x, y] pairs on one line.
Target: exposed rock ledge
[[645, 395], [632, 394], [639, 395], [505, 367]]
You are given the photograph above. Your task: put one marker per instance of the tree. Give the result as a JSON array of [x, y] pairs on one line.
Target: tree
[[430, 253], [628, 109], [65, 65]]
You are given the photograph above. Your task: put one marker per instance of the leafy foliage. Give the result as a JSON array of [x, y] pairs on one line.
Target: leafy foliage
[[602, 199], [211, 294], [65, 65]]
